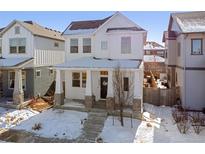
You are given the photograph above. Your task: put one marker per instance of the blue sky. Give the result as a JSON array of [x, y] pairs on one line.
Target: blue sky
[[154, 22]]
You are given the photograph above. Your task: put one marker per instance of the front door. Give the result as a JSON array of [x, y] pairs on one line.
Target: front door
[[103, 85]]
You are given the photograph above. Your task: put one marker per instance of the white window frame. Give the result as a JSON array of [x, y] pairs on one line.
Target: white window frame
[[104, 45], [17, 30], [23, 83], [128, 46], [87, 45], [17, 46], [74, 45], [39, 72]]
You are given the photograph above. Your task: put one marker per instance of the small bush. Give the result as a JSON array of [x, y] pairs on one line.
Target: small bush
[[197, 122], [37, 126]]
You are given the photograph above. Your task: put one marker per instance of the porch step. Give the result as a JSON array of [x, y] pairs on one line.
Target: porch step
[[101, 104]]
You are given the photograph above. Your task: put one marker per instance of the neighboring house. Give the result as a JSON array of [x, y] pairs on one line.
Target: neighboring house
[[93, 51], [28, 52], [154, 48], [185, 41]]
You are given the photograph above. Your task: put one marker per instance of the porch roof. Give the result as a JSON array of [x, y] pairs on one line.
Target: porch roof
[[92, 62], [13, 62]]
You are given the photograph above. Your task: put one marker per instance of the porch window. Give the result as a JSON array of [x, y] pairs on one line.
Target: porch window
[[76, 79], [17, 45], [126, 45], [196, 46], [73, 45], [126, 83], [86, 45], [12, 79], [179, 49], [84, 79]]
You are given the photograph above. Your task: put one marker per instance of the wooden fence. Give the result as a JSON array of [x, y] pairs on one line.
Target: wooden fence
[[158, 96]]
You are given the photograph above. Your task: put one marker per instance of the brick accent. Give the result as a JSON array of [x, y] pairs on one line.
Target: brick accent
[[110, 103], [137, 105], [89, 100]]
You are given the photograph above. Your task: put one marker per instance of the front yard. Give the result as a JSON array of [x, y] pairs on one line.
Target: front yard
[[159, 126]]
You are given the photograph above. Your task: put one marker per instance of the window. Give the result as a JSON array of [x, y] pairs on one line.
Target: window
[[179, 49], [51, 71], [126, 45], [126, 84], [76, 79], [176, 79], [0, 46], [56, 44], [73, 45], [17, 45], [84, 79], [166, 54], [103, 45], [17, 30], [86, 45], [196, 46], [12, 79], [38, 73]]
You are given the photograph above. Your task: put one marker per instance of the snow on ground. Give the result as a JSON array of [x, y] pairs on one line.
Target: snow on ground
[[64, 124], [167, 130], [10, 118], [118, 134]]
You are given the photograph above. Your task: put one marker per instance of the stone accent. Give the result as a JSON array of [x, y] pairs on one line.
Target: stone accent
[[59, 99], [137, 105], [89, 100], [18, 98], [110, 103]]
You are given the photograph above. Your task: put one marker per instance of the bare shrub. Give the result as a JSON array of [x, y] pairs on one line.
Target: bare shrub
[[37, 126], [196, 121]]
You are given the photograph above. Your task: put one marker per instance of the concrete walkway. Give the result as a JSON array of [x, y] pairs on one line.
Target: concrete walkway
[[92, 127]]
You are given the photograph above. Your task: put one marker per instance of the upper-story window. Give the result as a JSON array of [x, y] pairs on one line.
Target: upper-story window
[[17, 30], [103, 45], [86, 45], [0, 46], [73, 45], [17, 45], [196, 46], [126, 45], [56, 44], [179, 49]]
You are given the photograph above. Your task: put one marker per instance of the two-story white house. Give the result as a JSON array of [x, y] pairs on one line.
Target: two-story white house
[[185, 59], [94, 49], [28, 53]]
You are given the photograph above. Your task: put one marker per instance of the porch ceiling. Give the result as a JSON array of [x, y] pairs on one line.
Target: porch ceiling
[[92, 62]]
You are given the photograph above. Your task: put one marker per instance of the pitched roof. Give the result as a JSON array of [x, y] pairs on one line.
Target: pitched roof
[[170, 35], [190, 21], [153, 58], [38, 30], [89, 24], [151, 45], [13, 62], [1, 29], [126, 28]]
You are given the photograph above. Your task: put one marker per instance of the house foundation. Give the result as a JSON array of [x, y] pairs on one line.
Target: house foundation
[[137, 105], [59, 99], [110, 103]]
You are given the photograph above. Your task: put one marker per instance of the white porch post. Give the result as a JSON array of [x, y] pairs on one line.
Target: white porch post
[[138, 90], [110, 84], [110, 94], [88, 90], [18, 94], [59, 97]]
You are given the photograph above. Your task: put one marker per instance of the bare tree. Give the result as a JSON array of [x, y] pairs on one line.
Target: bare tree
[[123, 92]]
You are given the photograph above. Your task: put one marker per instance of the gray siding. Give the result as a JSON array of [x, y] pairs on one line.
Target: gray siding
[[42, 83], [48, 44]]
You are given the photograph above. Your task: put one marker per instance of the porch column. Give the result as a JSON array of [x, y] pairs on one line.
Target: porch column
[[110, 95], [18, 94], [89, 99], [59, 97], [138, 91]]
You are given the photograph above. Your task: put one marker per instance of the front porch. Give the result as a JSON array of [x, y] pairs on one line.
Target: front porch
[[92, 83]]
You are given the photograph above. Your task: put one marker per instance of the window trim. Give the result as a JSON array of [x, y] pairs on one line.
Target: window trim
[[192, 46], [129, 52], [37, 75], [74, 46], [17, 47], [90, 45]]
